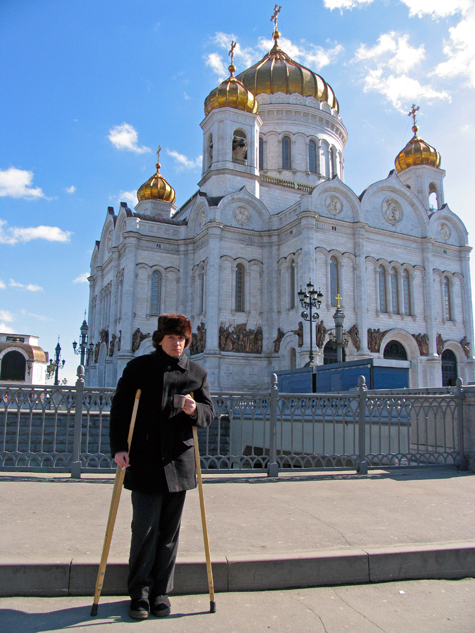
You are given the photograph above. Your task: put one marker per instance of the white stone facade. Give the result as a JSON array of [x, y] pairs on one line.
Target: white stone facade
[[234, 256]]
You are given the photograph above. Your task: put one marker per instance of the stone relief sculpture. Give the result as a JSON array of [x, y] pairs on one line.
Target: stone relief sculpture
[[299, 333], [422, 341], [355, 336], [320, 333], [137, 338], [440, 344], [278, 340], [444, 231], [119, 340], [96, 351], [392, 211], [198, 340], [333, 205], [465, 346], [240, 339], [375, 336], [104, 337], [112, 345]]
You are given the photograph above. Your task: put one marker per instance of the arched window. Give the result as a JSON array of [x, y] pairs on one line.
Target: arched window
[[156, 294], [292, 283], [449, 368], [261, 153], [210, 150], [433, 199], [447, 302], [407, 293], [334, 280], [395, 351], [383, 304], [240, 288], [394, 291], [330, 354], [312, 157], [293, 358], [286, 153], [202, 292], [239, 152], [331, 162], [13, 366]]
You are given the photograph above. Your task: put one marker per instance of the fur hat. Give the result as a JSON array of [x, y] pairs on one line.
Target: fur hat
[[172, 324]]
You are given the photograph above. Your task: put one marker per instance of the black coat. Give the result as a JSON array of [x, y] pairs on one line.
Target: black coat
[[161, 455]]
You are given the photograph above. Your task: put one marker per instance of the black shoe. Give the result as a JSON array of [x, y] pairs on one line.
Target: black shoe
[[139, 609], [161, 606]]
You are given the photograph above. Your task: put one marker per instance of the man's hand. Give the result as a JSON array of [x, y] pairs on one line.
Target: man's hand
[[122, 459], [189, 406]]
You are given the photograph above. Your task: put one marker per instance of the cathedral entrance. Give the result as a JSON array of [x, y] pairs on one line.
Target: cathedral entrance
[[329, 354], [449, 368], [395, 351], [13, 366]]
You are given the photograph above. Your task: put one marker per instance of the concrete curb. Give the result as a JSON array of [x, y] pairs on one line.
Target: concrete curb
[[77, 577]]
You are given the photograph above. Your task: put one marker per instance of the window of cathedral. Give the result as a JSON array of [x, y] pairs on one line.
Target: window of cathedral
[[447, 300], [312, 157], [239, 152], [261, 153], [239, 295], [407, 293], [292, 286], [293, 358], [201, 292], [433, 198], [332, 162], [394, 291], [13, 366], [383, 303], [330, 354], [334, 280], [449, 368], [156, 292], [395, 350], [210, 150], [286, 153]]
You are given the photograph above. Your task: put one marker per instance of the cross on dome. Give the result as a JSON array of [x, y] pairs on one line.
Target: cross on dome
[[275, 17]]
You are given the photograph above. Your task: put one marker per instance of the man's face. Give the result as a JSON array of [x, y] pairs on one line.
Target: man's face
[[173, 344]]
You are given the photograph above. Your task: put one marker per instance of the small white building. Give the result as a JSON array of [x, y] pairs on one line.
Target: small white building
[[22, 361], [272, 211]]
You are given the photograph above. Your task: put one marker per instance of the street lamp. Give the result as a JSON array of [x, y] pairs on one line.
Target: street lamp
[[340, 338], [55, 364], [309, 300], [82, 341]]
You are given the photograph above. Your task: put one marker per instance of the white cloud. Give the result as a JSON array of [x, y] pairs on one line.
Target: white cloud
[[6, 329], [39, 317], [460, 51], [82, 279], [14, 234], [183, 161], [6, 316], [124, 136], [2, 285], [29, 287], [215, 62], [437, 8], [128, 196], [70, 189], [385, 68], [16, 183], [344, 4]]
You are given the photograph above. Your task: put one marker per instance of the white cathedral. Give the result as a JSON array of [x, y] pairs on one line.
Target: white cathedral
[[271, 213]]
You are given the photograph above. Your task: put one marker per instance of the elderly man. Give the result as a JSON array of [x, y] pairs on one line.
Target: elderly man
[[161, 464]]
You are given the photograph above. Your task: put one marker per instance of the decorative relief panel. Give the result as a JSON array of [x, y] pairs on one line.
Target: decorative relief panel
[[444, 231], [333, 204], [392, 211], [242, 216]]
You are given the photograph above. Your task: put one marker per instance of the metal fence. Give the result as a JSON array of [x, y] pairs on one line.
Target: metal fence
[[45, 429]]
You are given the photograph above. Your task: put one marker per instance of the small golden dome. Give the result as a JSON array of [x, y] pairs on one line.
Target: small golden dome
[[417, 152], [277, 72], [231, 93], [156, 187]]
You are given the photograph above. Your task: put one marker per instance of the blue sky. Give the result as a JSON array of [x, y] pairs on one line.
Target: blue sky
[[90, 88]]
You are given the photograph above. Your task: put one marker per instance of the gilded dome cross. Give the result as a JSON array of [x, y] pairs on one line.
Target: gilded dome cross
[[275, 17], [158, 157], [231, 52], [412, 112]]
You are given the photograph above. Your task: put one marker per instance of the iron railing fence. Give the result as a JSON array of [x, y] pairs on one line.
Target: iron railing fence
[[42, 428]]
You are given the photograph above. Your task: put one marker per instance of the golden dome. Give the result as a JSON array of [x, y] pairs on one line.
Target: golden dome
[[277, 72], [417, 152], [231, 93], [156, 187]]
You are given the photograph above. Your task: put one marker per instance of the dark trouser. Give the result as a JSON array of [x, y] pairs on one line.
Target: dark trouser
[[156, 522]]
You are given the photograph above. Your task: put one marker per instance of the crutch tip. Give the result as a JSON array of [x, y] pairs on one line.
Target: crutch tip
[[94, 609], [212, 607]]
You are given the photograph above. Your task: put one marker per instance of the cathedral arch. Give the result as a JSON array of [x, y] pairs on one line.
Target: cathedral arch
[[449, 368], [13, 365], [395, 350], [312, 156]]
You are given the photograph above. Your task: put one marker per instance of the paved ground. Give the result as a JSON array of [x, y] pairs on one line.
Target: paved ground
[[423, 606]]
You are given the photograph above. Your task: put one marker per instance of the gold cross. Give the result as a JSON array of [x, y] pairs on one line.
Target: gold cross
[[231, 52], [275, 17], [158, 157], [338, 299], [412, 112]]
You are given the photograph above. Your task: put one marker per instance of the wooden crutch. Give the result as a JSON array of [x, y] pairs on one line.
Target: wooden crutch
[[212, 603], [119, 480]]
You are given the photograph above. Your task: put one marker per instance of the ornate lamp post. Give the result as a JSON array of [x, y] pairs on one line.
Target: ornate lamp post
[[341, 338], [82, 341], [56, 364], [309, 300]]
